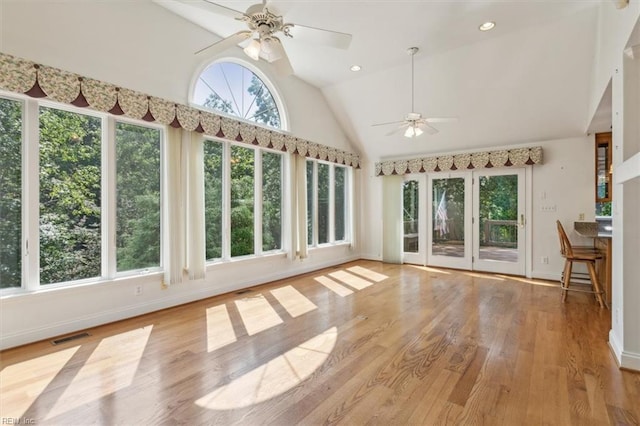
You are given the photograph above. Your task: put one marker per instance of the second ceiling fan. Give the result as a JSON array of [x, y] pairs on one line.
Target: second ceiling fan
[[414, 124]]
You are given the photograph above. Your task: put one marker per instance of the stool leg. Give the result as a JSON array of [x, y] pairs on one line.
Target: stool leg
[[566, 278], [595, 282]]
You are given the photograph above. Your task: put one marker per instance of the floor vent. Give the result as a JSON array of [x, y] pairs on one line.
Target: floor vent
[[69, 338], [246, 290]]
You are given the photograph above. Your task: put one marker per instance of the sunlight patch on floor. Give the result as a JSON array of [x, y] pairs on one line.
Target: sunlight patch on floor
[[111, 367], [486, 276], [257, 314], [351, 280], [275, 377], [428, 269], [368, 273], [219, 328], [534, 282], [293, 301], [339, 289], [22, 384]]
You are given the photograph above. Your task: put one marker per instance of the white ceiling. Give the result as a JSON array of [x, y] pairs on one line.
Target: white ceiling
[[527, 80]]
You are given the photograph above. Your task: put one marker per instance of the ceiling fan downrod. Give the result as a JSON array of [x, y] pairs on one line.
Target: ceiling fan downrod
[[412, 51]]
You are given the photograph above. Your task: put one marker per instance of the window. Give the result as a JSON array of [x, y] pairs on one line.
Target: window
[[327, 209], [410, 198], [339, 206], [64, 238], [213, 198], [10, 193], [70, 196], [137, 197], [242, 200], [255, 195], [271, 201], [323, 203], [233, 89]]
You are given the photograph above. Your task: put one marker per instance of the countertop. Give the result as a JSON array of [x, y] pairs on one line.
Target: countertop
[[590, 229]]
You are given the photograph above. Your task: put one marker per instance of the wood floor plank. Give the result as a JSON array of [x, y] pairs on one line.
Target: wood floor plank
[[359, 343]]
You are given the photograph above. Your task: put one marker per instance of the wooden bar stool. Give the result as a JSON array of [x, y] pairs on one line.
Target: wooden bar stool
[[582, 254]]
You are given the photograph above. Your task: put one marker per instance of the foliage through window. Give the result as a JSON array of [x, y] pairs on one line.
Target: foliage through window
[[271, 201], [137, 197], [235, 90], [10, 193], [242, 196], [327, 210], [213, 198], [256, 186], [70, 196]]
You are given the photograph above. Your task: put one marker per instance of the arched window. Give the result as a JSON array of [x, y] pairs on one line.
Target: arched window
[[235, 90]]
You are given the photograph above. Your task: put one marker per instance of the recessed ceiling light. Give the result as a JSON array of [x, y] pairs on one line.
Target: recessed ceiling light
[[355, 68], [489, 25]]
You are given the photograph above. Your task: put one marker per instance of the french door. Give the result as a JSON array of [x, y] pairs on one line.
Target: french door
[[477, 220]]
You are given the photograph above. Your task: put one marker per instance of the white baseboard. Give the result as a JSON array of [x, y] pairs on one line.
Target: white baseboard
[[22, 337], [543, 275], [615, 346], [625, 359]]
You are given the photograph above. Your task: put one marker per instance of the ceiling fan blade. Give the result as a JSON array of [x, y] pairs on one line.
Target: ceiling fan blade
[[320, 36], [429, 129], [441, 119], [398, 129], [391, 122], [282, 65], [209, 6], [226, 43]]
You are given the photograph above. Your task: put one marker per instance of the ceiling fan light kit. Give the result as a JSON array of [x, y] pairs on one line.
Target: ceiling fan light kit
[[263, 26]]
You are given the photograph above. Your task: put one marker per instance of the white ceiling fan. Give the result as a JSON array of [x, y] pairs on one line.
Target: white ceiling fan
[[414, 124], [264, 27]]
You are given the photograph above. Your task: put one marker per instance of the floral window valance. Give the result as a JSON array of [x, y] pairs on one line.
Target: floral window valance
[[517, 157], [40, 81]]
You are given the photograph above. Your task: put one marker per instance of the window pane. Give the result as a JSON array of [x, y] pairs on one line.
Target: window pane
[[340, 202], [271, 201], [242, 195], [410, 216], [10, 193], [448, 217], [323, 203], [137, 197], [233, 89], [70, 239], [310, 203], [213, 198]]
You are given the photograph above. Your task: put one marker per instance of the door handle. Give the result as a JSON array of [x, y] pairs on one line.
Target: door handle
[[521, 220]]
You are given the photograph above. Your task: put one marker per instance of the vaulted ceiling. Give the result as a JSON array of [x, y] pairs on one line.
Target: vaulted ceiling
[[525, 81]]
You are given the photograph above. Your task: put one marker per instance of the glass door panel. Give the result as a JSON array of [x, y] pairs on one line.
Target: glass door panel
[[499, 223], [414, 220], [449, 224]]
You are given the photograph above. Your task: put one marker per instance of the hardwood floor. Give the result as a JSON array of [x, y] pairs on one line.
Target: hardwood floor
[[361, 343]]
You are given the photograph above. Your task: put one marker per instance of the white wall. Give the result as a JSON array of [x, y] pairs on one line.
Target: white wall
[[565, 179], [26, 318]]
